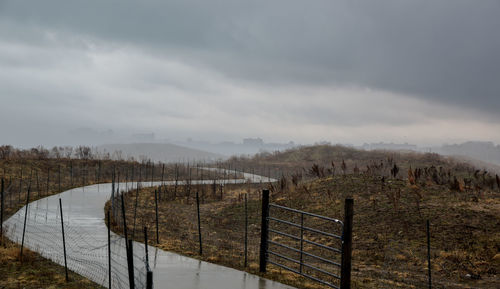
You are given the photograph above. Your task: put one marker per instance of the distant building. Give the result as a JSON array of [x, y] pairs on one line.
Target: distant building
[[390, 146], [256, 142]]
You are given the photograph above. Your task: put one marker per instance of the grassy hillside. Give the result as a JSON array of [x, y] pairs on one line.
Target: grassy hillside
[[391, 208], [330, 159], [159, 152]]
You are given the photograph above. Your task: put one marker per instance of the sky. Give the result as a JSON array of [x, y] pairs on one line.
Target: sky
[[424, 72]]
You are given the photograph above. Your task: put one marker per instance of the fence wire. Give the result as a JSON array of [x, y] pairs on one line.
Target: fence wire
[[86, 243]]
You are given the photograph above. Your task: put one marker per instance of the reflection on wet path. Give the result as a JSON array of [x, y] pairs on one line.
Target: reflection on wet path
[[86, 244]]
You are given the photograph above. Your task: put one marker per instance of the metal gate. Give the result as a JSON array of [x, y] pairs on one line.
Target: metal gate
[[302, 249]]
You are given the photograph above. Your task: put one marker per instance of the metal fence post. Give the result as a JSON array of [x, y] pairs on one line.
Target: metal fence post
[[109, 250], [25, 219], [59, 178], [125, 234], [48, 180], [64, 240], [345, 274], [1, 209], [301, 242], [152, 172], [71, 172], [130, 261], [156, 211], [149, 280], [37, 184], [429, 253], [146, 247], [246, 231], [20, 187], [264, 231], [135, 208], [199, 221]]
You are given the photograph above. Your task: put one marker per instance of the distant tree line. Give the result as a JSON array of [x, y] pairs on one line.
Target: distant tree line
[[8, 152]]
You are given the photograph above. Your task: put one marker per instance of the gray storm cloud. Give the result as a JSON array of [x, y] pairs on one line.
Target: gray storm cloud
[[335, 69]]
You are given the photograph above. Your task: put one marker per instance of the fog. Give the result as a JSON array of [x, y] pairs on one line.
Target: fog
[[94, 72]]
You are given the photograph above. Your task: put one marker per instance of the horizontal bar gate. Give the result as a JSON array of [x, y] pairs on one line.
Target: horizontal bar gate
[[344, 238]]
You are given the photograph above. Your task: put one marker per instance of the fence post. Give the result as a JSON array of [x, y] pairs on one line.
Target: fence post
[[135, 208], [1, 210], [301, 242], [113, 206], [59, 177], [37, 184], [10, 183], [146, 247], [246, 230], [109, 249], [156, 211], [124, 222], [429, 253], [130, 261], [99, 172], [163, 172], [149, 274], [64, 240], [152, 172], [345, 277], [48, 180], [149, 280], [199, 224], [20, 187], [264, 227], [25, 218]]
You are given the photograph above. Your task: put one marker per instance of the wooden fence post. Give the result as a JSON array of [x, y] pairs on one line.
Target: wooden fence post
[[264, 231], [345, 275]]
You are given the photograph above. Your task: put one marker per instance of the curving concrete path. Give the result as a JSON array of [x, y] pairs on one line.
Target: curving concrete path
[[86, 242]]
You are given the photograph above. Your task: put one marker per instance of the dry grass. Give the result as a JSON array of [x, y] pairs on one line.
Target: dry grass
[[222, 227], [34, 271], [389, 242]]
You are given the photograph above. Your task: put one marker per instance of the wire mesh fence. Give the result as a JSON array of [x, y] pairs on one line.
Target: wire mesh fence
[[222, 235], [229, 232], [86, 249], [86, 238]]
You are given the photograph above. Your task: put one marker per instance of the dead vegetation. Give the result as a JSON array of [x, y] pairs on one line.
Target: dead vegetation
[[34, 271], [391, 208], [43, 176]]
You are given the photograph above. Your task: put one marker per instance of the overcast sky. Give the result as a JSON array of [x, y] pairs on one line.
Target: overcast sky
[[424, 72]]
